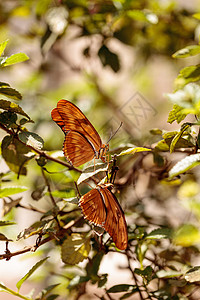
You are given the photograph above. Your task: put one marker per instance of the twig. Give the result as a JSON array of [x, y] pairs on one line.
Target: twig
[[34, 247], [42, 153], [51, 197], [134, 276]]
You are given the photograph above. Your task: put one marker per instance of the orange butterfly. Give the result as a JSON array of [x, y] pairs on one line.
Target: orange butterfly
[[82, 142], [100, 206]]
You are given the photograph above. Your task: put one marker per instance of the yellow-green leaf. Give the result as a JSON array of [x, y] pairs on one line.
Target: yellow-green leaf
[[15, 58], [30, 272], [176, 114], [133, 150], [10, 93], [13, 107], [187, 51], [3, 46], [75, 249], [177, 137], [8, 191], [187, 235], [16, 154]]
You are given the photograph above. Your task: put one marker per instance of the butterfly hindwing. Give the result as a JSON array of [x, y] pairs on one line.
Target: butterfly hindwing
[[115, 223], [93, 207], [101, 207], [77, 148]]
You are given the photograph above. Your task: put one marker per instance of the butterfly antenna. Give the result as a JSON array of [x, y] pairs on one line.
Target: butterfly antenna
[[115, 132]]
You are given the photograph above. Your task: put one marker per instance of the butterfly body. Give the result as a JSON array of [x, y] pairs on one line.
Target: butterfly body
[[100, 207], [82, 142]]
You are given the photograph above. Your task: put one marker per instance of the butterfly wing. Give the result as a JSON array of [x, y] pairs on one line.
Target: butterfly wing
[[58, 119], [77, 148], [93, 207], [70, 118], [115, 223], [101, 207]]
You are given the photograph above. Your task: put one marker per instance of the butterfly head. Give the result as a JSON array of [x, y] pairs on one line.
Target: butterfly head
[[102, 152]]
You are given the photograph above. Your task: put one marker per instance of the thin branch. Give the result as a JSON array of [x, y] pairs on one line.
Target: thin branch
[[34, 247], [48, 187], [32, 208], [134, 276], [42, 153]]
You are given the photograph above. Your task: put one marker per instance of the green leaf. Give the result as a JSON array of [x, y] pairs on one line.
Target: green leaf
[[176, 114], [93, 266], [193, 274], [121, 288], [89, 172], [43, 294], [4, 238], [11, 93], [158, 159], [76, 281], [43, 227], [73, 200], [13, 107], [133, 150], [75, 249], [168, 274], [146, 273], [187, 75], [30, 272], [16, 154], [177, 137], [8, 118], [156, 131], [160, 233], [184, 165], [31, 139], [187, 235], [3, 288], [66, 193], [6, 223], [51, 297], [15, 58], [187, 51], [8, 191], [102, 281], [109, 58], [3, 46], [162, 146], [185, 141], [4, 84]]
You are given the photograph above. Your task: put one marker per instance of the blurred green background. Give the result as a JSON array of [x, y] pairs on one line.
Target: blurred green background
[[113, 59]]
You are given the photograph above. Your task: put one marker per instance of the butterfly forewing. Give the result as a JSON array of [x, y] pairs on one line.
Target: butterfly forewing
[[75, 120], [79, 133], [57, 118]]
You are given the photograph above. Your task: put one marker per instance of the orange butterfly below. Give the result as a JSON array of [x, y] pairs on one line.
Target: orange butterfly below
[[82, 142], [100, 206]]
